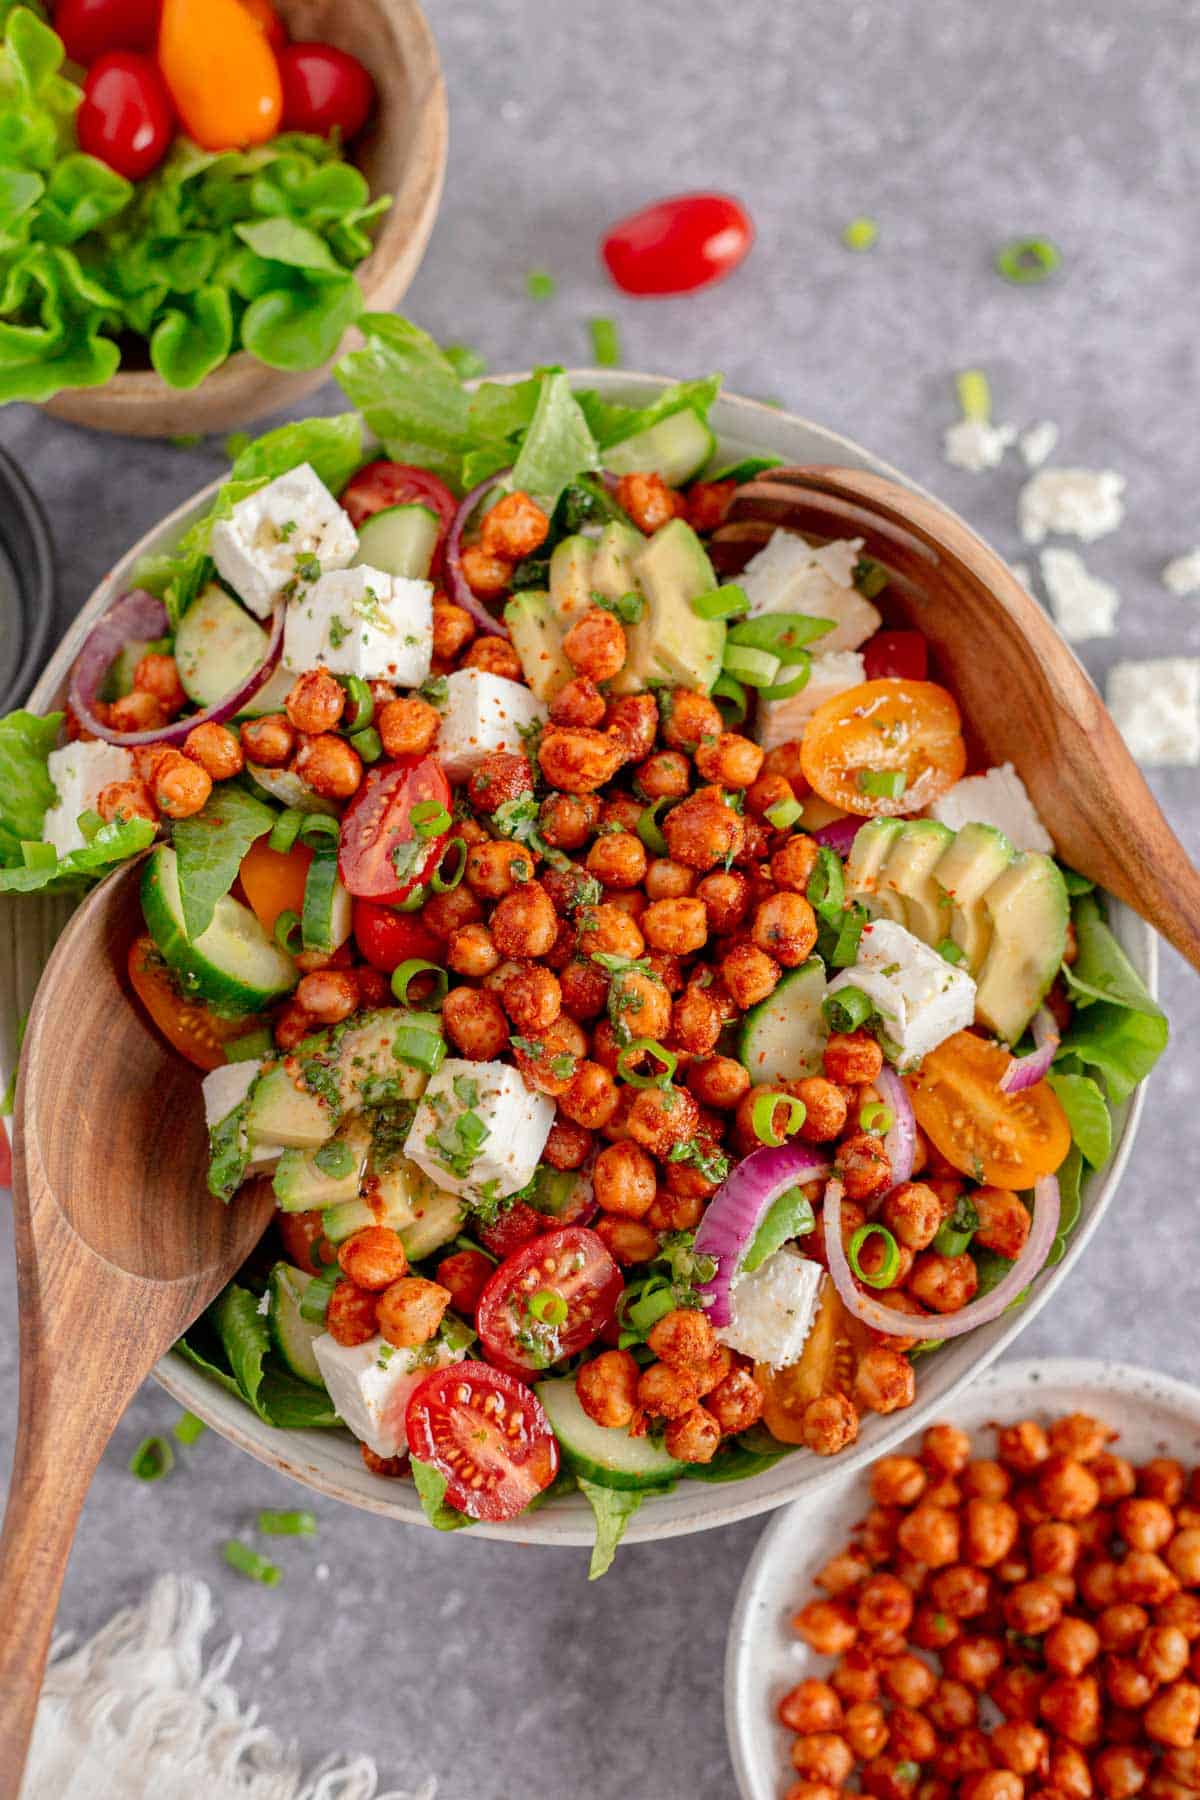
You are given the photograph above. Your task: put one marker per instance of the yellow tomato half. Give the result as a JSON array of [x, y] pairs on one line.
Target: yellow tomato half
[[1003, 1140], [908, 728]]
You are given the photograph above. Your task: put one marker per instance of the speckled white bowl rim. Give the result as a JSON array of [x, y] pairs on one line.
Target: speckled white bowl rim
[[329, 1461]]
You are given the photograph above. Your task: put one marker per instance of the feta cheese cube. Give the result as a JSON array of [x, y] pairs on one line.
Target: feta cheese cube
[[998, 797], [1082, 604], [226, 1087], [773, 1309], [977, 444], [483, 712], [1182, 573], [1082, 503], [1036, 443], [921, 998], [362, 622], [479, 1131], [80, 772], [789, 575], [258, 550], [1156, 708], [779, 721], [370, 1385]]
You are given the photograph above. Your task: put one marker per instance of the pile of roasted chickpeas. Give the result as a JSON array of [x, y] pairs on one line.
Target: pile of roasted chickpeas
[[1027, 1623]]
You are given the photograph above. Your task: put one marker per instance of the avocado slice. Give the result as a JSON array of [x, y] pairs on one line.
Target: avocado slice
[[279, 1112], [976, 857], [617, 547], [670, 643], [301, 1102], [308, 1179], [1029, 913], [402, 1196], [537, 639], [869, 852], [571, 576], [908, 875]]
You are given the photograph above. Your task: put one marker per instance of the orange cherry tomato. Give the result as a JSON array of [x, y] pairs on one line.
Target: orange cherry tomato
[[274, 882], [908, 728], [221, 71], [268, 21], [187, 1025], [826, 1366], [1003, 1140]]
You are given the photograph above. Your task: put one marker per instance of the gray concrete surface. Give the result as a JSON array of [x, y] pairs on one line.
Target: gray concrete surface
[[957, 127]]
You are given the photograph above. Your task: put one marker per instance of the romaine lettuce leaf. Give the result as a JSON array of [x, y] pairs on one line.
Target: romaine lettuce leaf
[[26, 789], [557, 447], [210, 847], [613, 1508], [1122, 1044], [276, 1396], [115, 842], [410, 395], [611, 422], [1101, 970], [431, 1486], [1087, 1112]]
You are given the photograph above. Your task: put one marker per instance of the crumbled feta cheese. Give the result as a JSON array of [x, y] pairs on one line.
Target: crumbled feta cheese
[[479, 1131], [976, 444], [264, 1303], [362, 622], [80, 772], [370, 1385], [1037, 443], [780, 721], [483, 712], [1182, 573], [789, 575], [274, 533], [1156, 707], [996, 798], [1082, 503], [1082, 604], [226, 1087], [921, 998], [772, 1310]]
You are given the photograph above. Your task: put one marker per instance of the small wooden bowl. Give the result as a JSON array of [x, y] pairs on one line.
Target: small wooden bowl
[[402, 153]]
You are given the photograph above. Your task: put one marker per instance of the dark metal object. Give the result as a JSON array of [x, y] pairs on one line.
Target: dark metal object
[[26, 585]]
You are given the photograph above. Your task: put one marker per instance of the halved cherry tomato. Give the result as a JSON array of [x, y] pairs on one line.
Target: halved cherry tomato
[[304, 1242], [511, 1230], [187, 1025], [273, 882], [910, 728], [487, 1434], [125, 118], [324, 90], [551, 1300], [903, 654], [382, 484], [387, 937], [465, 1275], [381, 857], [90, 27], [677, 244], [1003, 1140], [221, 72], [268, 21]]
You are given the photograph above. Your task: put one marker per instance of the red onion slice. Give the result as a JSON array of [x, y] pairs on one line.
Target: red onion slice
[[1026, 1071], [459, 586], [139, 615], [872, 1312], [900, 1142], [839, 835], [738, 1208]]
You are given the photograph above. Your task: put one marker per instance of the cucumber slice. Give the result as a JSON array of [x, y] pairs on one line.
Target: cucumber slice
[[291, 1335], [676, 448], [783, 1037], [601, 1453], [269, 699], [119, 680], [289, 789], [233, 965], [400, 541], [325, 918], [217, 646]]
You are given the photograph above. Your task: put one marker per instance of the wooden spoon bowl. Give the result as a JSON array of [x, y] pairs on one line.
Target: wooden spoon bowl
[[1024, 695], [119, 1247]]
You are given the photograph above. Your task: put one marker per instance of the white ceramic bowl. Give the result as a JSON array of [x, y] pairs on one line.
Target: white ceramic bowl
[[329, 1461], [1154, 1414]]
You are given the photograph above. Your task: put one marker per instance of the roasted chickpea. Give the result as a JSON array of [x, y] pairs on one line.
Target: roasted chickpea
[[578, 702], [993, 1784], [667, 775], [884, 1381], [1071, 1707], [883, 1607], [470, 951], [607, 1388], [1003, 1221], [315, 702], [865, 1730], [931, 1534], [514, 527], [962, 1591], [945, 1448], [726, 897], [810, 1707], [1022, 1447], [974, 1660], [718, 1081], [732, 761], [568, 820], [1020, 1746], [665, 1392], [291, 1025], [823, 1756], [912, 1212], [410, 1311], [683, 1339], [785, 927], [910, 1735], [628, 1240], [475, 1023], [862, 1164], [824, 1109], [1033, 1607], [1145, 1524], [943, 1283], [1173, 1716], [703, 831], [829, 1424], [350, 1317], [679, 927], [408, 727], [990, 1531], [749, 975], [126, 800], [1145, 1578], [179, 787], [736, 1403], [952, 1706], [595, 644], [707, 504], [1053, 1548], [453, 628], [330, 766], [660, 1118], [617, 860], [138, 711], [485, 573], [856, 1678], [897, 1481], [496, 656], [1067, 1489], [852, 1058], [578, 760], [158, 675], [216, 750], [524, 923], [1183, 1556], [890, 1778], [1162, 1478], [583, 987], [373, 1258], [391, 1467], [329, 996], [445, 913], [633, 722], [1120, 1771], [624, 1181], [648, 501], [688, 719]]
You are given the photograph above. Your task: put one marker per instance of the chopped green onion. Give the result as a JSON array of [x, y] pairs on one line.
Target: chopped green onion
[[784, 813], [654, 1304], [539, 285], [361, 700], [728, 602], [891, 1266], [430, 818], [757, 668], [317, 830], [419, 1048], [876, 1118], [847, 1009], [414, 901], [646, 1047], [38, 856], [629, 607], [650, 831], [466, 362], [762, 1117], [314, 1301], [955, 1233], [884, 784], [187, 1428], [287, 1524], [788, 1216], [845, 951], [860, 234], [89, 823], [368, 743], [974, 395], [285, 830], [785, 635], [869, 577], [1028, 259], [471, 1131], [250, 1048], [826, 890], [406, 974], [152, 1459], [335, 1159], [445, 884], [606, 343], [783, 690], [548, 1307], [949, 951], [287, 933], [726, 689], [249, 1562]]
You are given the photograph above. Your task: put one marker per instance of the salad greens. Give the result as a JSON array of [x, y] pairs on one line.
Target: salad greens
[[210, 847], [613, 1508], [26, 790], [231, 1344], [1118, 1030], [111, 844]]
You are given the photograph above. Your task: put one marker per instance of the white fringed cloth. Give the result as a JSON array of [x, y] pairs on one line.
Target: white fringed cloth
[[135, 1715]]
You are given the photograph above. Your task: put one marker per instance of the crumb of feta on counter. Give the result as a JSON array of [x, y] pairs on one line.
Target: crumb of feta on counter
[[1082, 503], [290, 524], [1182, 573], [976, 444], [780, 721], [921, 998], [790, 575], [1156, 708], [80, 772], [361, 622], [478, 1130], [772, 1309], [1036, 443], [998, 797], [483, 712], [1083, 605], [370, 1385]]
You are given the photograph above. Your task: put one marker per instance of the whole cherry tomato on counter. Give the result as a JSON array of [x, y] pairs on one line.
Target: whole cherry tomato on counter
[[221, 72], [90, 27], [268, 21], [324, 89], [678, 244], [125, 116]]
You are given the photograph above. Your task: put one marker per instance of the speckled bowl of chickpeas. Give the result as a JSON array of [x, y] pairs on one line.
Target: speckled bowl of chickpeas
[[329, 1461]]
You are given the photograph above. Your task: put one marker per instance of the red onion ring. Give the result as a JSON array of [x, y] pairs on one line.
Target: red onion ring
[[1026, 1071], [839, 835], [1046, 1209], [738, 1208], [900, 1143], [137, 615], [459, 586]]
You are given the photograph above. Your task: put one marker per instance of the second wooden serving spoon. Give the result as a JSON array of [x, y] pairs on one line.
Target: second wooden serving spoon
[[119, 1248]]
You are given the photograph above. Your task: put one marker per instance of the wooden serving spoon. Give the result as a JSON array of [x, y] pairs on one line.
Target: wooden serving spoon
[[1024, 695], [119, 1248]]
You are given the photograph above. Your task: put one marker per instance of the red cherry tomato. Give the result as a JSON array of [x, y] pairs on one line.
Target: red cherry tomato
[[516, 1226], [125, 117], [90, 27], [464, 1275], [678, 244], [551, 1300], [487, 1434], [387, 937], [382, 856], [382, 484], [902, 654], [324, 90]]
